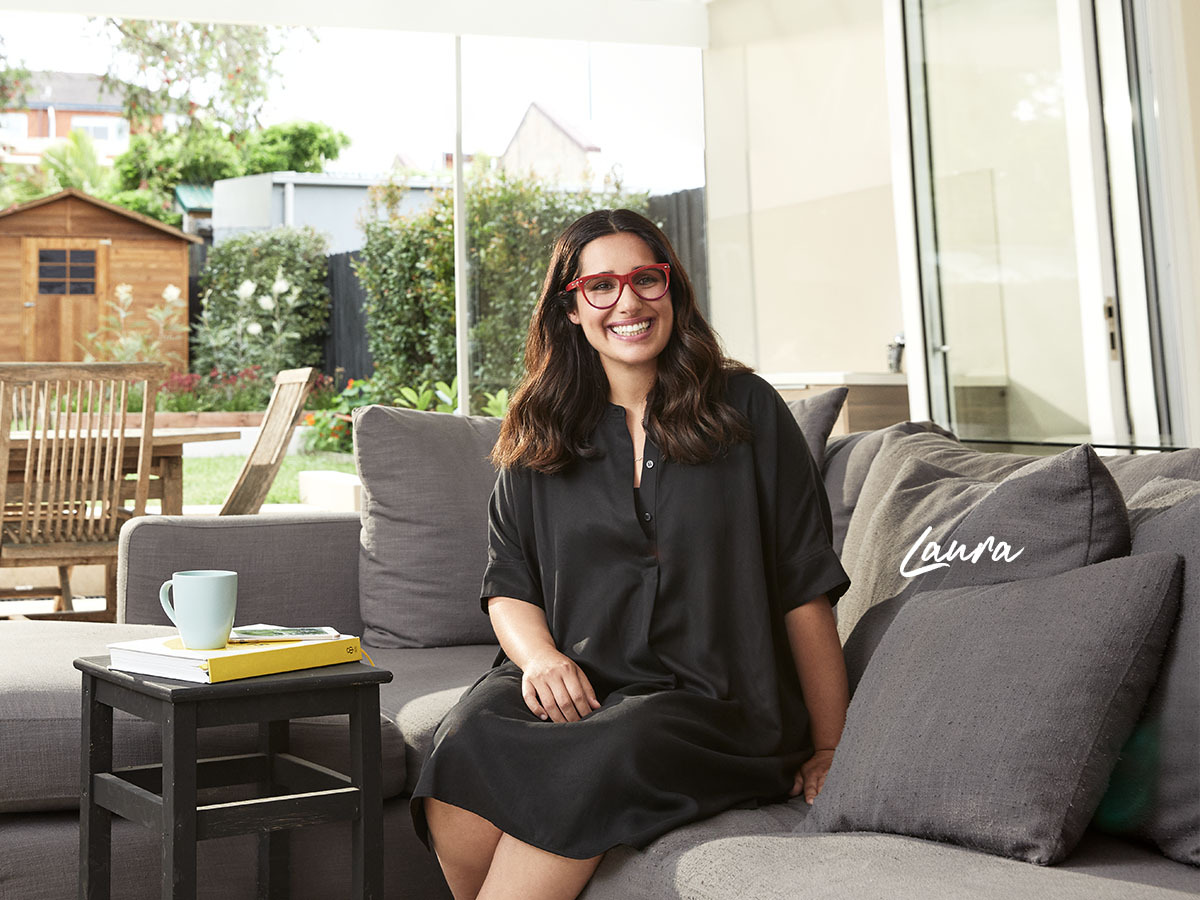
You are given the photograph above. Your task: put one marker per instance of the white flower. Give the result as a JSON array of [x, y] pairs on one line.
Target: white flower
[[171, 293], [281, 285], [124, 292], [266, 303], [254, 329], [246, 289]]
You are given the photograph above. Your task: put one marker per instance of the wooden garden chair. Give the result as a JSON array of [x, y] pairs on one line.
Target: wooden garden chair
[[67, 456], [292, 387]]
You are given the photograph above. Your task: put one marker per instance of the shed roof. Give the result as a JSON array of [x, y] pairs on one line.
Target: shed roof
[[194, 197], [111, 207]]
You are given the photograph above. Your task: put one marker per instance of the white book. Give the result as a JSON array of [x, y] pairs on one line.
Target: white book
[[260, 632]]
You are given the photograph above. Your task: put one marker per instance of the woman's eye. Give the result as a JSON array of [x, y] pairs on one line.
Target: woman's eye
[[601, 285]]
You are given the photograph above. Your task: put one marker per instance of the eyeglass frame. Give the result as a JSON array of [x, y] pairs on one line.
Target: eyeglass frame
[[622, 281]]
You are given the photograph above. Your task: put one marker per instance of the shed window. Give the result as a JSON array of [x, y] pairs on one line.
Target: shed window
[[67, 272]]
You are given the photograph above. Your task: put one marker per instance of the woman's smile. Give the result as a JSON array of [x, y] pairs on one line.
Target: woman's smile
[[632, 329]]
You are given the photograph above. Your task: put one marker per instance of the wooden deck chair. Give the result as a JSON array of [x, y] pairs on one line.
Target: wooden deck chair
[[292, 387], [71, 468]]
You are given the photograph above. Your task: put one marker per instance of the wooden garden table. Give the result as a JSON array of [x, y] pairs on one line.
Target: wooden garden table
[[166, 460]]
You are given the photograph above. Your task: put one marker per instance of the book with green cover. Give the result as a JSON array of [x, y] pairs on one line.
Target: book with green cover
[[166, 657]]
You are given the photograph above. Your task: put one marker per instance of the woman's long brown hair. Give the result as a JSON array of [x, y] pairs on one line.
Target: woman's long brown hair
[[564, 390]]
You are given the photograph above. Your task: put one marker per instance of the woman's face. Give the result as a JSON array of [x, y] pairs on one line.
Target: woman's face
[[630, 334]]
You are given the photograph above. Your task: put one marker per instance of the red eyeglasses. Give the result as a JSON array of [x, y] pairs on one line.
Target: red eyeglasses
[[602, 291]]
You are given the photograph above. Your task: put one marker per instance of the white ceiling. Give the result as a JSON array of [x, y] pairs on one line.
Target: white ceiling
[[670, 22]]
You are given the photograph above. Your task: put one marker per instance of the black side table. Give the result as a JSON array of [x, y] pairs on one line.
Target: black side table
[[164, 797]]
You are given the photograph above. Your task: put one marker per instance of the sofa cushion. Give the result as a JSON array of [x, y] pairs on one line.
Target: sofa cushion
[[1054, 514], [1154, 792], [1157, 496], [847, 460], [816, 417], [39, 719], [426, 482], [780, 866], [991, 716], [425, 683], [1134, 470]]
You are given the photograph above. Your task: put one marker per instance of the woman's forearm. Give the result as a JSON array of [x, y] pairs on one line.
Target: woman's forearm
[[817, 653], [520, 628]]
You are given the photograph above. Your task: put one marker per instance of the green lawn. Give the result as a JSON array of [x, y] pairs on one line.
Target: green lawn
[[207, 479]]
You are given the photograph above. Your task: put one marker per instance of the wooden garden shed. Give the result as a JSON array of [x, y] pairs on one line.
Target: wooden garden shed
[[62, 258]]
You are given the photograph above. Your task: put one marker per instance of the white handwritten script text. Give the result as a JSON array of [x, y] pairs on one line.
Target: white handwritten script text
[[1000, 551]]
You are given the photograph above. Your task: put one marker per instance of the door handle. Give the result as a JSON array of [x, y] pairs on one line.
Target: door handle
[[29, 303]]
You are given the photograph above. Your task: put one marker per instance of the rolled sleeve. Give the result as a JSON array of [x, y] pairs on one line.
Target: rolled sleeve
[[509, 572]]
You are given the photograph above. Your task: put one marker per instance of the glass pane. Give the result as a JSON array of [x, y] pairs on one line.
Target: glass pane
[[82, 271], [52, 271], [542, 152], [83, 287], [52, 287], [1005, 252], [52, 256], [83, 256]]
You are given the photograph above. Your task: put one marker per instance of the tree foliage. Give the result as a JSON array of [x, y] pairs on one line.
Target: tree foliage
[[221, 73], [13, 80], [407, 271], [293, 147]]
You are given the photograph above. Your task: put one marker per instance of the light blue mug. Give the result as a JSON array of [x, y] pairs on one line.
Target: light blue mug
[[205, 604]]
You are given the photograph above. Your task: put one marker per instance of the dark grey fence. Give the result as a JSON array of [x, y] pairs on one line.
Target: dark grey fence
[[346, 344], [682, 218]]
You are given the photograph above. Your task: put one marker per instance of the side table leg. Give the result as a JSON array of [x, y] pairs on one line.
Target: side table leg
[[367, 776], [95, 822], [179, 802], [273, 846]]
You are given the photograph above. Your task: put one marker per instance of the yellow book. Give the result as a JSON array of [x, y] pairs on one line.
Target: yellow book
[[166, 657]]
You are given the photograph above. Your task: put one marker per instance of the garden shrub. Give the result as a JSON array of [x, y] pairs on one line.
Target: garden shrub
[[264, 302], [407, 271]]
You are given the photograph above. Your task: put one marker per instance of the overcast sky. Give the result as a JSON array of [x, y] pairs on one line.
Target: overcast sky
[[393, 92]]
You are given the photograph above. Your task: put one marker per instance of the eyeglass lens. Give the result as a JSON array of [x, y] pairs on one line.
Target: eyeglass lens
[[604, 290]]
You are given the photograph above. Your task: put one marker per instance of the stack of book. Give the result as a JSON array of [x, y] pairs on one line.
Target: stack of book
[[251, 650]]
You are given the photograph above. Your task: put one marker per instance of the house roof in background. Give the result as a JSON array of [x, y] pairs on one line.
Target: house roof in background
[[194, 197], [71, 91], [572, 133], [111, 207]]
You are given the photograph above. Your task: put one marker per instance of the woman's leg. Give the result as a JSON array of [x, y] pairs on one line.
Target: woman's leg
[[520, 871], [464, 844]]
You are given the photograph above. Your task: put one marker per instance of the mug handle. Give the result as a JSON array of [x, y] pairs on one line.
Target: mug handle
[[164, 593]]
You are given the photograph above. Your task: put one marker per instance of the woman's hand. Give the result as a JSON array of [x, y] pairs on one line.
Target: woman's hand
[[811, 777], [555, 688]]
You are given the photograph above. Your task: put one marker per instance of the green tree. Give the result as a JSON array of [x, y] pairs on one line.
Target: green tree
[[13, 80], [73, 164], [293, 147], [218, 72]]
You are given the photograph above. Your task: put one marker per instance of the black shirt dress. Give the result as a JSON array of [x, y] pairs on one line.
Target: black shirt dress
[[671, 599]]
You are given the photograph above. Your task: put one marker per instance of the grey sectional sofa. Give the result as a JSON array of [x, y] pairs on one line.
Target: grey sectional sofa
[[906, 817]]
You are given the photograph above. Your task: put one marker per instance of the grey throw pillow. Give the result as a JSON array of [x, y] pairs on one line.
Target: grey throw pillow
[[991, 716], [847, 461], [816, 417], [426, 482], [1050, 516], [1154, 792], [1134, 471]]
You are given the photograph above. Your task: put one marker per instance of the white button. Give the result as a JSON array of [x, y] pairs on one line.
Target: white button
[[649, 464]]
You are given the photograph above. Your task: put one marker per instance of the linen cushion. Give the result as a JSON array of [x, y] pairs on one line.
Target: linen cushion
[[991, 716], [1154, 792], [426, 482], [816, 417], [1134, 471], [39, 720], [1054, 514], [847, 460]]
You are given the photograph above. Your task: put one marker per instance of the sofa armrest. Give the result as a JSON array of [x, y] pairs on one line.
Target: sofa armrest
[[292, 569]]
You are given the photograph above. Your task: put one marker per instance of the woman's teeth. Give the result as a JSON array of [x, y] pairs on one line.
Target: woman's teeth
[[627, 330]]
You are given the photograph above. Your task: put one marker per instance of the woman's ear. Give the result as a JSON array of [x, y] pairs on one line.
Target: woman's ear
[[573, 316]]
